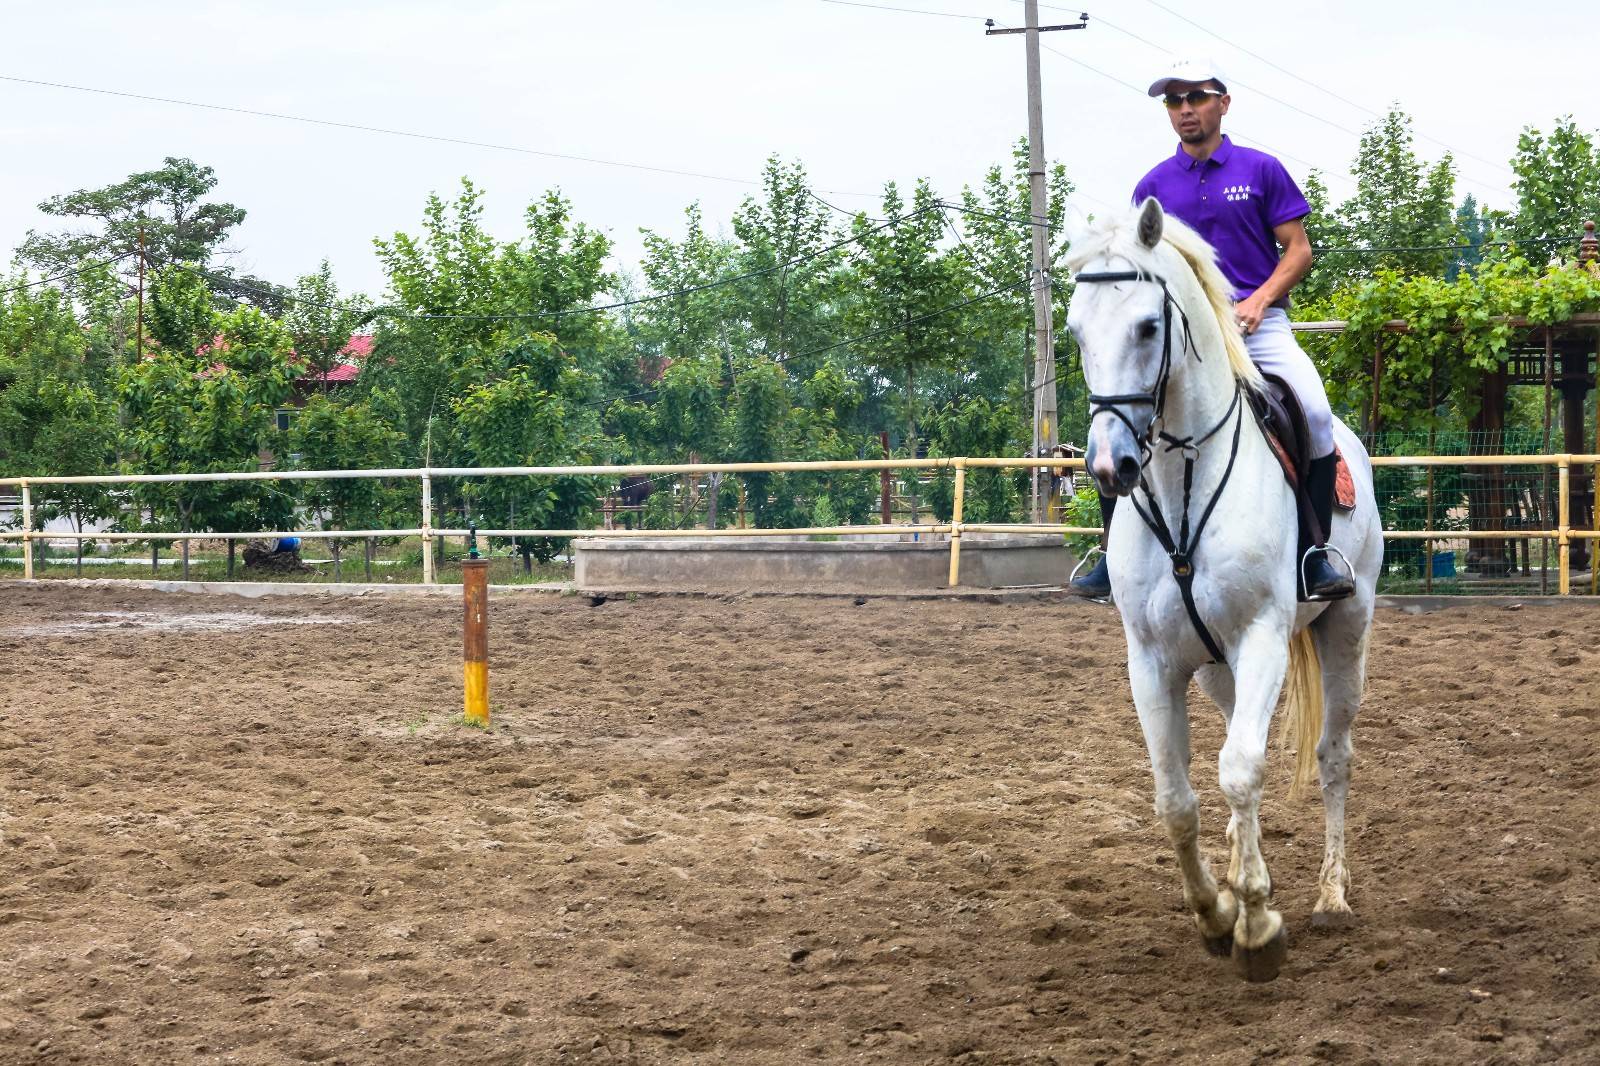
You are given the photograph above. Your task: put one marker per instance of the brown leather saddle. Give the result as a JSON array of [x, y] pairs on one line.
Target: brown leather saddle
[[1283, 423]]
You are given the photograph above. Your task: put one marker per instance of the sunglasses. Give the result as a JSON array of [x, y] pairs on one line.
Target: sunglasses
[[1194, 97]]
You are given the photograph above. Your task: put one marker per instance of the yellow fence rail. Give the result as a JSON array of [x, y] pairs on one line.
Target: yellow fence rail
[[955, 528]]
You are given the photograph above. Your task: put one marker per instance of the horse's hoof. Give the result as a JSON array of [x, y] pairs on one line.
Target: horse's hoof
[[1220, 946], [1261, 964], [1332, 920]]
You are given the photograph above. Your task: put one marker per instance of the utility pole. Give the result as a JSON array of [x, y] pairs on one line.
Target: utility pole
[[139, 320], [1046, 431]]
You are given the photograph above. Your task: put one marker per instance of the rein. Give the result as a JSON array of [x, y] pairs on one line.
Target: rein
[[1180, 548]]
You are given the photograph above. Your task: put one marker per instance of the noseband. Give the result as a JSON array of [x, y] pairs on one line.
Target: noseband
[[1179, 549]]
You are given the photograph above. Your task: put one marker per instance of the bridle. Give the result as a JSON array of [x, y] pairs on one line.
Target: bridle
[[1157, 396], [1180, 548]]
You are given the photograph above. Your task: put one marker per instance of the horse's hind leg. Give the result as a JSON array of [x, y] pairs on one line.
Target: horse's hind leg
[[1164, 718], [1341, 639]]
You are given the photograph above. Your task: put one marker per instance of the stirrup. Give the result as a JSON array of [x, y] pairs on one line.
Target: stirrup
[[1073, 589], [1084, 561], [1326, 548]]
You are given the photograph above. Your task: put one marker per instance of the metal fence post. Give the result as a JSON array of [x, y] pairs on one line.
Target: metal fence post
[[1563, 483], [27, 532], [427, 530], [475, 640], [956, 512]]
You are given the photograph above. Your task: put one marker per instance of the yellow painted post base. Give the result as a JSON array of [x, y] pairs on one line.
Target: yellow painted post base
[[477, 688]]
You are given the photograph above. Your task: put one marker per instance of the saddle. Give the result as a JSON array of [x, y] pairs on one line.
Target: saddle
[[1283, 423]]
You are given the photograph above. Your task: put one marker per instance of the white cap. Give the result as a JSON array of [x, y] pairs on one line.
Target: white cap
[[1197, 71]]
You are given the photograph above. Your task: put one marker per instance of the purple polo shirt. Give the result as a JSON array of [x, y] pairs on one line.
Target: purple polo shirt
[[1233, 200]]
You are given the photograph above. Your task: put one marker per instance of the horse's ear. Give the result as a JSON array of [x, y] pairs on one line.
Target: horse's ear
[[1150, 222], [1074, 223]]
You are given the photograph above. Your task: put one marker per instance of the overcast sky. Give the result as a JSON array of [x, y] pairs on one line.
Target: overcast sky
[[859, 95]]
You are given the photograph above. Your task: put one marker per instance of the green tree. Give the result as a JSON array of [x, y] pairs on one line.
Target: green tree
[[531, 415], [1557, 184], [456, 270], [1399, 202], [205, 407], [905, 282], [978, 427], [40, 340], [331, 433], [692, 319], [1327, 232], [76, 435], [164, 212], [321, 323], [52, 419], [997, 250], [785, 240]]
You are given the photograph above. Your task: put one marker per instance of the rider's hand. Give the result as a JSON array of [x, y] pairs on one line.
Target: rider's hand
[[1249, 311]]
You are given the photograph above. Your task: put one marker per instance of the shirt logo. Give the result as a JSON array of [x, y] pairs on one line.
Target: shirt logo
[[1235, 193]]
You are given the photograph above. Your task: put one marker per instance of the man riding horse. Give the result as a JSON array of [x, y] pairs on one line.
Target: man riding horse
[[1246, 206]]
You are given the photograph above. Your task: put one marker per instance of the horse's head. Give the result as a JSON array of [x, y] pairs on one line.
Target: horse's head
[[1140, 278], [1120, 324]]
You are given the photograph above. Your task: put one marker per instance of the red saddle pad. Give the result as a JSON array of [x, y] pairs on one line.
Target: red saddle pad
[[1344, 486]]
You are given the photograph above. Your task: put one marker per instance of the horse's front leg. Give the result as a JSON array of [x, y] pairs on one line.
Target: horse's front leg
[[1159, 694], [1261, 659]]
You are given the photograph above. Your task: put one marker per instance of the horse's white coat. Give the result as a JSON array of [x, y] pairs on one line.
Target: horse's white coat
[[1244, 586]]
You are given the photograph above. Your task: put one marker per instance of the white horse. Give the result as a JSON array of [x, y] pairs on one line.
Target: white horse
[[1168, 375]]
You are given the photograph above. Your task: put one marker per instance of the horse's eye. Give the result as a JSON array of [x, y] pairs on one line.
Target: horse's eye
[[1146, 330]]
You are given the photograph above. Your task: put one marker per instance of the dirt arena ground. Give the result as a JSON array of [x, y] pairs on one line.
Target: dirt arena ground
[[752, 831]]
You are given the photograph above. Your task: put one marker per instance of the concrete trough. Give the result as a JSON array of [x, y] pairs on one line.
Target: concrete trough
[[865, 563]]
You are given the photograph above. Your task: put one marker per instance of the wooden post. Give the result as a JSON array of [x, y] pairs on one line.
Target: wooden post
[[885, 484], [475, 643], [138, 329], [27, 532], [1594, 477], [427, 530], [956, 513], [1427, 522], [1377, 376], [1544, 472], [1564, 543]]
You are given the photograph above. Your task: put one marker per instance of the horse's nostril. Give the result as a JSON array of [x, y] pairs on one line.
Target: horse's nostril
[[1127, 469]]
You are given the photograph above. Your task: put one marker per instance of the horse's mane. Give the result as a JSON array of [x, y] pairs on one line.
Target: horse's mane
[[1119, 236]]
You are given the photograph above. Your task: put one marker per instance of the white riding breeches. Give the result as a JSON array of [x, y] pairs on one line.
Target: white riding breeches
[[1274, 349]]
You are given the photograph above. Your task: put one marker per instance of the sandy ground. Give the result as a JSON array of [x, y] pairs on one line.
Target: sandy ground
[[752, 830]]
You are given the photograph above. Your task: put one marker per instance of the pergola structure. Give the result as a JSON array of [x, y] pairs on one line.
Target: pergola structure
[[1563, 358]]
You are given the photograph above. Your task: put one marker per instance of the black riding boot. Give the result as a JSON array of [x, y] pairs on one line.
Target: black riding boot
[[1324, 579], [1096, 584]]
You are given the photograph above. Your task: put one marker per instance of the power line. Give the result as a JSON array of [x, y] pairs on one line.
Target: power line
[[905, 10], [411, 134], [1509, 243], [907, 322], [1495, 186], [1145, 92], [68, 273], [1306, 81]]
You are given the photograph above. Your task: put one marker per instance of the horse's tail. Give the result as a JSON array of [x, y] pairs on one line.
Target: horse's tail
[[1304, 720]]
